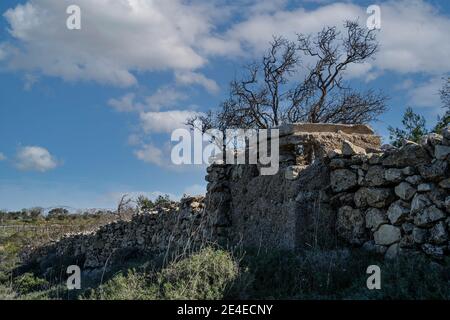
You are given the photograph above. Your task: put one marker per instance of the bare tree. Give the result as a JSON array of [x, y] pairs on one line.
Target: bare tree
[[124, 208], [268, 95], [444, 120], [445, 94]]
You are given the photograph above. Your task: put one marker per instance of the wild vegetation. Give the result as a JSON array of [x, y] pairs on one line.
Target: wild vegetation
[[216, 273]]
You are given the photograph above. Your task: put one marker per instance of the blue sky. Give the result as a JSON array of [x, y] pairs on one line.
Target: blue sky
[[86, 115]]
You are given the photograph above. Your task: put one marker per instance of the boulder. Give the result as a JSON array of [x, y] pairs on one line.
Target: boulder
[[446, 132], [445, 184], [392, 252], [428, 216], [434, 171], [408, 171], [349, 149], [375, 218], [420, 235], [387, 235], [338, 163], [424, 187], [411, 154], [398, 212], [405, 191], [438, 234], [436, 252], [414, 180], [429, 141], [374, 158], [375, 176], [373, 197], [437, 196], [408, 227], [393, 175], [441, 152], [419, 203], [342, 180]]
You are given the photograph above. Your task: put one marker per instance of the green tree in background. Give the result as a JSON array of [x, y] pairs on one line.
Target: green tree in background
[[413, 128], [445, 98]]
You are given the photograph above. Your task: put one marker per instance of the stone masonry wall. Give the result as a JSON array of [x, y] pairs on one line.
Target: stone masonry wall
[[391, 202], [175, 230], [397, 201]]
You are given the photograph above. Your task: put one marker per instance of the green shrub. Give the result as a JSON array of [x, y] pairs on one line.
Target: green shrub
[[27, 283], [6, 293], [208, 274], [132, 286]]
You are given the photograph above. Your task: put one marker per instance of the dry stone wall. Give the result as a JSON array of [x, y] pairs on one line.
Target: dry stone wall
[[168, 231], [395, 202], [390, 202]]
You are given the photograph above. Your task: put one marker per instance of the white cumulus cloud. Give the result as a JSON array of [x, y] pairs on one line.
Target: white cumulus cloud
[[2, 157], [117, 38], [165, 121], [34, 158], [150, 154], [188, 78]]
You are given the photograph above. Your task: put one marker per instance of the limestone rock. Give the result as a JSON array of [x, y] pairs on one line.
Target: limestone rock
[[374, 158], [349, 149], [409, 155], [375, 218], [438, 234], [392, 252], [433, 251], [414, 180], [428, 216], [446, 132], [424, 187], [405, 191], [445, 184], [447, 205], [375, 176], [431, 139], [434, 170], [292, 172], [337, 163], [350, 225], [441, 152], [419, 203], [373, 197], [334, 153], [393, 175], [387, 235], [342, 180], [437, 196], [397, 212], [420, 235], [408, 227], [408, 171], [370, 246]]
